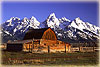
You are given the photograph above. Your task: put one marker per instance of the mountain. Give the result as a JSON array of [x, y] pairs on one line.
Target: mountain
[[14, 29], [67, 30]]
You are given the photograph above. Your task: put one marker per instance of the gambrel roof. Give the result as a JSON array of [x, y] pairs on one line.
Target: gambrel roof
[[36, 33]]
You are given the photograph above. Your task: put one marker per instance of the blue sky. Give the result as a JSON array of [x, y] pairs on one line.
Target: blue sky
[[87, 11]]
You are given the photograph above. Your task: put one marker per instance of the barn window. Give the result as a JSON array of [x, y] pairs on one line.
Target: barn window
[[44, 43]]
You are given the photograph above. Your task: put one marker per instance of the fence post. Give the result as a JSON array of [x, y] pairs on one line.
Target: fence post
[[48, 49], [65, 47], [68, 48], [33, 44], [79, 48], [93, 48], [29, 47]]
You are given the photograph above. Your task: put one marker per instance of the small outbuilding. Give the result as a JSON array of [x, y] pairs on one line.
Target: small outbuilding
[[16, 45]]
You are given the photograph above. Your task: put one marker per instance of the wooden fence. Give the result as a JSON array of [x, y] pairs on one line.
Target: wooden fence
[[50, 49], [84, 49]]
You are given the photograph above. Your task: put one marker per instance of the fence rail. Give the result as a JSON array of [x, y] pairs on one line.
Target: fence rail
[[62, 49], [85, 49]]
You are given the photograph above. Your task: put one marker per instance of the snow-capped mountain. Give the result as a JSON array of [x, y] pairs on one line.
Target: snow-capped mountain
[[65, 29], [14, 29]]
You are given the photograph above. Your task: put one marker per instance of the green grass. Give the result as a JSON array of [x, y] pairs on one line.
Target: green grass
[[16, 58]]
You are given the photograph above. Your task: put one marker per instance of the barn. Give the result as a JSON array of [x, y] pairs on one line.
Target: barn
[[43, 39]]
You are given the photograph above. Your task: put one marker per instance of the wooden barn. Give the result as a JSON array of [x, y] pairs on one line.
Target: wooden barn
[[43, 39]]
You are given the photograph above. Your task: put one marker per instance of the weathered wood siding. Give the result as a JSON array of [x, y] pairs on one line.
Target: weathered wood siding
[[49, 35], [27, 46], [55, 45]]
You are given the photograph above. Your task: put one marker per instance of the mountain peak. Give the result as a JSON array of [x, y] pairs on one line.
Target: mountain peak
[[25, 19], [33, 17], [13, 19], [52, 21], [52, 15], [78, 18], [65, 19]]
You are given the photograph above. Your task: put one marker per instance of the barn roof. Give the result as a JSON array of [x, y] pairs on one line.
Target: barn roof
[[36, 33], [20, 41]]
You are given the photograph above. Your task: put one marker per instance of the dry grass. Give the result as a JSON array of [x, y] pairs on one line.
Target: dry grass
[[22, 58]]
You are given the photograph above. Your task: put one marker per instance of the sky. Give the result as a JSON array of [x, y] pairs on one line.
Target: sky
[[87, 11]]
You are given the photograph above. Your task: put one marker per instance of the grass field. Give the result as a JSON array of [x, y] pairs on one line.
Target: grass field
[[22, 58]]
